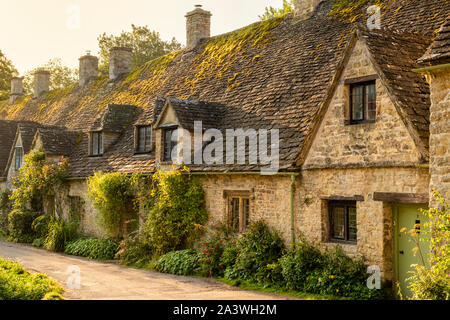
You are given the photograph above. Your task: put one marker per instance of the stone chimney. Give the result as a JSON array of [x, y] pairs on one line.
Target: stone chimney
[[119, 62], [16, 89], [304, 8], [88, 69], [198, 26], [41, 82]]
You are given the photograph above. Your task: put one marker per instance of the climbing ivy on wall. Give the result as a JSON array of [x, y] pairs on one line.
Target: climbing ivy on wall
[[36, 179]]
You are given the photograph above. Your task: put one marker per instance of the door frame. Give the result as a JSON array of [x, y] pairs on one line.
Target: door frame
[[395, 211]]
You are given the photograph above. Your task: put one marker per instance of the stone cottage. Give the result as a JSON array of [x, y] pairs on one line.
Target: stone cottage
[[362, 118]]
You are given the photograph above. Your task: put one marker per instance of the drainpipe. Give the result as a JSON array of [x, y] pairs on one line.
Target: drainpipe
[[292, 191]]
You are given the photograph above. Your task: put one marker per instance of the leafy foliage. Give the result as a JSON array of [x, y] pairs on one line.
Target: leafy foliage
[[258, 248], [133, 250], [175, 219], [7, 71], [146, 44], [18, 284], [271, 12], [184, 262], [19, 224], [37, 178], [305, 268], [99, 249], [433, 283], [58, 234], [60, 76], [113, 196], [212, 247]]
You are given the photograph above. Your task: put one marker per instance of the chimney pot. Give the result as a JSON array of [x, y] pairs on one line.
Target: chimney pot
[[119, 61], [41, 82], [88, 68], [198, 26], [304, 8], [16, 89]]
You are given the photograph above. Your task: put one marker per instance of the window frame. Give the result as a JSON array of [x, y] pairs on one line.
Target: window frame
[[346, 205], [16, 158], [99, 151], [244, 213], [365, 85], [172, 143], [138, 149]]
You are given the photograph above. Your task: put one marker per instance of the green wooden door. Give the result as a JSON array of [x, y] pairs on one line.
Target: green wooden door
[[409, 217]]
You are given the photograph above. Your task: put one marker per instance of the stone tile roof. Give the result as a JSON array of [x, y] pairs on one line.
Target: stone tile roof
[[439, 51], [188, 111], [8, 131], [115, 118], [410, 89], [57, 141], [271, 75]]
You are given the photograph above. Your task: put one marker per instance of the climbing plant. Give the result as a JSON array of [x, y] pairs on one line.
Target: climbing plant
[[36, 179], [433, 282], [178, 211], [113, 196]]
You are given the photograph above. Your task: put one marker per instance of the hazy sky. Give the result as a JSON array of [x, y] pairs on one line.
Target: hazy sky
[[34, 31]]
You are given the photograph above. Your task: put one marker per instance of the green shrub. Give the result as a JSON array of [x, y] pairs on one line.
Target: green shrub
[[38, 242], [174, 221], [429, 284], [58, 234], [113, 196], [53, 296], [40, 225], [305, 268], [184, 262], [99, 249], [258, 248], [134, 251], [19, 224], [297, 263], [212, 248], [18, 284]]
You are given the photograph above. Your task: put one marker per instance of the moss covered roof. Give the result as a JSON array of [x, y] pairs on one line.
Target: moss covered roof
[[271, 74]]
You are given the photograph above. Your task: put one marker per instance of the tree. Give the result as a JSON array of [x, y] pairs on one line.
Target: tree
[[60, 76], [7, 71], [146, 44], [271, 12]]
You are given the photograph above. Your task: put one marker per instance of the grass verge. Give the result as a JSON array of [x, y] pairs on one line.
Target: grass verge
[[18, 284]]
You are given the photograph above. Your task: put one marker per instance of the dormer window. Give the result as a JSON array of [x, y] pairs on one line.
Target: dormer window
[[363, 102], [143, 140], [19, 157], [96, 143], [170, 143]]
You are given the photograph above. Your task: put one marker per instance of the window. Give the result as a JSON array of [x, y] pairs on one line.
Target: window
[[19, 157], [75, 209], [96, 143], [363, 106], [343, 220], [239, 218], [170, 143], [143, 139]]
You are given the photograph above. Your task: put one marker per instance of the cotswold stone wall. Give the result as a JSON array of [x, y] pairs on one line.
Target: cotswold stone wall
[[339, 145], [89, 215], [440, 133], [374, 218], [269, 198]]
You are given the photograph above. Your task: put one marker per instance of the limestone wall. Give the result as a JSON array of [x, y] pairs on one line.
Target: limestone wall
[[374, 218], [440, 132], [384, 142]]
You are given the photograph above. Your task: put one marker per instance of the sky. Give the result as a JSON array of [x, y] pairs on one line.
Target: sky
[[35, 31]]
